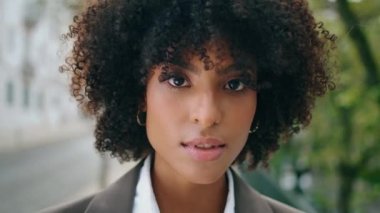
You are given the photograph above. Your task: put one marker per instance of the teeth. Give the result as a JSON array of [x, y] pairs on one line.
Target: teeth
[[204, 146]]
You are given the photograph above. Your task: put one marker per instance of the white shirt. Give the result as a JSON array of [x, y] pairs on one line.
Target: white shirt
[[145, 201]]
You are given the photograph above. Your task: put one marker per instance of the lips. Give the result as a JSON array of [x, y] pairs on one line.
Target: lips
[[204, 149]]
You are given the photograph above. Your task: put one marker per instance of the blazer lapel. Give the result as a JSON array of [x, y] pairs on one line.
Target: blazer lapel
[[118, 197], [247, 200]]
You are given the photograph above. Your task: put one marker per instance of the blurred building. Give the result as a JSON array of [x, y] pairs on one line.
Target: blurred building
[[34, 97]]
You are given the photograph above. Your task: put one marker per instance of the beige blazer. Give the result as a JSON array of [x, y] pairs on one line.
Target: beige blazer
[[119, 198]]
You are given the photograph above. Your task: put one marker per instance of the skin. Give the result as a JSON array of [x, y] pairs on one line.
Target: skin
[[196, 103]]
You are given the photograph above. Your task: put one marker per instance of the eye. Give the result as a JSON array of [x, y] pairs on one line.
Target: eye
[[174, 78], [178, 81], [235, 85]]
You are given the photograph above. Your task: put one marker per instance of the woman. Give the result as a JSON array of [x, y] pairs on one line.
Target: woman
[[192, 87]]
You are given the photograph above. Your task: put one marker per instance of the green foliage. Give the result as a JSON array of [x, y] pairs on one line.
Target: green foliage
[[346, 123], [371, 176], [366, 9]]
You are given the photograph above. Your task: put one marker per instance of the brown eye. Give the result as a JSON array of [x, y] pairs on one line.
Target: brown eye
[[235, 85], [174, 78], [178, 81]]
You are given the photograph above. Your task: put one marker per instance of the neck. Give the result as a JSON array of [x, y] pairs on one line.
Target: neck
[[175, 194]]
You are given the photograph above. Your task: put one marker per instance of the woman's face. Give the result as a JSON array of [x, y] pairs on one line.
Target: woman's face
[[198, 120]]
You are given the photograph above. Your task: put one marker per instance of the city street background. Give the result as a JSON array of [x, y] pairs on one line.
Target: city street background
[[35, 178], [47, 153]]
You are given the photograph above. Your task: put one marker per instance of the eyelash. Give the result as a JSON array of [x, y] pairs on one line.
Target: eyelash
[[169, 75]]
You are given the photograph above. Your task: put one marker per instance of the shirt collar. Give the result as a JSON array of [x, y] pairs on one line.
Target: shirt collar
[[144, 192], [145, 201], [230, 204]]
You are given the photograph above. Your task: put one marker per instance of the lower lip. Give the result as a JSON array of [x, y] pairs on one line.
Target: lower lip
[[204, 154]]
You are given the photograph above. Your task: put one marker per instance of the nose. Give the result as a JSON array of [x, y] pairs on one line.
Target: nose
[[207, 111]]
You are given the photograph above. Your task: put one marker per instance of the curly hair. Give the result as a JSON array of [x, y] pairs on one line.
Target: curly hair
[[117, 42]]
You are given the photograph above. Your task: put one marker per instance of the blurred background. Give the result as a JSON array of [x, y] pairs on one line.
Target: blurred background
[[46, 145], [47, 154]]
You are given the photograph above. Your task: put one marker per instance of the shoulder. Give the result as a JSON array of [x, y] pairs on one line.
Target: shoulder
[[118, 197], [277, 206], [248, 200], [72, 207]]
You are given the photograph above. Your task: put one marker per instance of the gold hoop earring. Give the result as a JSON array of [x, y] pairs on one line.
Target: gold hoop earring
[[138, 119], [254, 129]]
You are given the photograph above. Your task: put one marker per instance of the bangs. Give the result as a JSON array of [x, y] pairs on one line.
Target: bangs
[[185, 30]]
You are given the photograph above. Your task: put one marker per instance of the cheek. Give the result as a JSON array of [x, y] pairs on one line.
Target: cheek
[[163, 114], [161, 105], [246, 113], [243, 111]]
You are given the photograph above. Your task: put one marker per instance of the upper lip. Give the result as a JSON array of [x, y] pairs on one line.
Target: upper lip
[[204, 141]]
